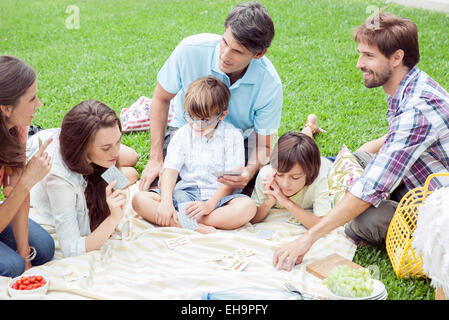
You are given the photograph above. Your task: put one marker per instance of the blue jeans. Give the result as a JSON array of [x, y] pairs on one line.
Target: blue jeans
[[193, 194], [11, 263]]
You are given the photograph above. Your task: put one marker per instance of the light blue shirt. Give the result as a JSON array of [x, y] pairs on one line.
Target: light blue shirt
[[256, 98]]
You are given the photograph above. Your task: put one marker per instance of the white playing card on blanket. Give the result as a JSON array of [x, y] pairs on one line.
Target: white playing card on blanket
[[114, 174], [294, 220], [242, 253], [177, 242], [266, 234], [236, 265]]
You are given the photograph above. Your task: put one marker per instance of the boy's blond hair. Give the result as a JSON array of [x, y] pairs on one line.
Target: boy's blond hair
[[206, 97]]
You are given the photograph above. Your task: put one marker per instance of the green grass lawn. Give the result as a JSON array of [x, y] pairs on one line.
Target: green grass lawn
[[116, 53]]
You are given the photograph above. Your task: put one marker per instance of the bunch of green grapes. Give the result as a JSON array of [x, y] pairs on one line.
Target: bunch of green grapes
[[348, 282]]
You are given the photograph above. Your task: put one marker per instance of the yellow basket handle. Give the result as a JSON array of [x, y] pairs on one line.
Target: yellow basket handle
[[430, 177]]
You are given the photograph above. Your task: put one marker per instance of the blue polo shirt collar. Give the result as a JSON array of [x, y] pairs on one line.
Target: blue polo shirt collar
[[250, 76]]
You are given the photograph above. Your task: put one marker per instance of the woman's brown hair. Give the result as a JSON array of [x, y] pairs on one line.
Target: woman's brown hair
[[78, 130], [15, 78], [390, 33], [297, 148]]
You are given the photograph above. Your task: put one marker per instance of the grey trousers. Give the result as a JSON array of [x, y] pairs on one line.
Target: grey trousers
[[372, 225]]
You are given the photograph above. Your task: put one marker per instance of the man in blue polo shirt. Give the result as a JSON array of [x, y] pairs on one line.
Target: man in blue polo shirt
[[238, 59]]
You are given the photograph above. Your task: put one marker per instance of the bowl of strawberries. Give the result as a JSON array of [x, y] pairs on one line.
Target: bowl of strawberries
[[32, 284]]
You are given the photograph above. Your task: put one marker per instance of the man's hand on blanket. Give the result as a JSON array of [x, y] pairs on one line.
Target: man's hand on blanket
[[116, 200], [197, 209], [292, 251]]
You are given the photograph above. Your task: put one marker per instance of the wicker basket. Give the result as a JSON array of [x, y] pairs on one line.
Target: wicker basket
[[405, 261]]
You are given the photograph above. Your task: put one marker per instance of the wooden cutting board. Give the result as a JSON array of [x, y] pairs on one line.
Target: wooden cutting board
[[321, 268]]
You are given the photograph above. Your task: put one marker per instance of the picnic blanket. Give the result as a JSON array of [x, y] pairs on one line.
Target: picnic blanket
[[135, 263]]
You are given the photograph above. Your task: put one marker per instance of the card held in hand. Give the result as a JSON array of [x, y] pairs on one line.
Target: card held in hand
[[114, 174], [185, 221]]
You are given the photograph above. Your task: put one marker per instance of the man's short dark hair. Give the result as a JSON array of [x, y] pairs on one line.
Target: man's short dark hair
[[251, 26]]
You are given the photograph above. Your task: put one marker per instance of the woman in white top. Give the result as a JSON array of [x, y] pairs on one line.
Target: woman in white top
[[83, 208]]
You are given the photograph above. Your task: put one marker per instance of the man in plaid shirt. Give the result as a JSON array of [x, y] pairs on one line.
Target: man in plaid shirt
[[416, 145]]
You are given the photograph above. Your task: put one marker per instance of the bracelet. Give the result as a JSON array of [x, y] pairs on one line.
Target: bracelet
[[32, 254], [7, 188]]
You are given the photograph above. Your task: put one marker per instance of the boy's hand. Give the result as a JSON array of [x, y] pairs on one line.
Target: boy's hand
[[274, 191], [237, 182], [267, 182], [197, 209], [164, 212]]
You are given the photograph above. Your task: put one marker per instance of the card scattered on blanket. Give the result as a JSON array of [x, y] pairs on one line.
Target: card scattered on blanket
[[242, 253], [285, 265], [266, 234], [177, 242], [236, 265], [114, 174], [293, 220], [71, 273], [219, 257], [185, 221]]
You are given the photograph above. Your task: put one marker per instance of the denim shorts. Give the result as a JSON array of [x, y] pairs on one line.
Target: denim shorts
[[193, 194]]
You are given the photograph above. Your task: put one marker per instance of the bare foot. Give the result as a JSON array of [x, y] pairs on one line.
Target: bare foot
[[202, 228], [312, 123]]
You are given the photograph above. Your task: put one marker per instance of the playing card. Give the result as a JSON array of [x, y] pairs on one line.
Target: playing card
[[266, 234], [236, 265], [185, 221], [242, 253], [230, 173], [114, 174], [285, 265], [219, 257], [177, 242], [293, 220]]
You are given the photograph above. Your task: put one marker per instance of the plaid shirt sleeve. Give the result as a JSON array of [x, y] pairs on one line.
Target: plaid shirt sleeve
[[410, 134]]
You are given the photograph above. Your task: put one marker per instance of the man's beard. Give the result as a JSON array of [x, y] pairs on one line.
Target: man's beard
[[377, 79]]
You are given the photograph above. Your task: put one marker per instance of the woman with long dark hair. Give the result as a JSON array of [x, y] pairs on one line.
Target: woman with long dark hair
[[83, 208], [23, 242]]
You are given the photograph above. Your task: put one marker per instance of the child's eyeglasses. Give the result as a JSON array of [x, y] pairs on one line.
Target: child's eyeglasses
[[200, 123]]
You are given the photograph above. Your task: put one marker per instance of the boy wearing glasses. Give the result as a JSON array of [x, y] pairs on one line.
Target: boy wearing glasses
[[238, 58], [197, 150]]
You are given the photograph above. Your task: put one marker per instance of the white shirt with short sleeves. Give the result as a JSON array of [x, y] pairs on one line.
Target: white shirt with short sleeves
[[196, 158]]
